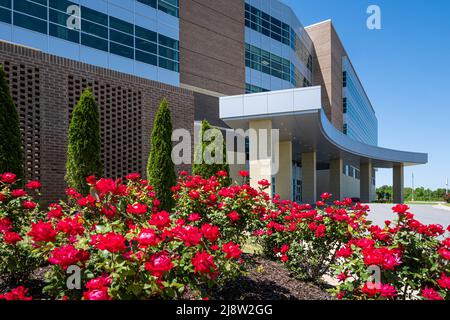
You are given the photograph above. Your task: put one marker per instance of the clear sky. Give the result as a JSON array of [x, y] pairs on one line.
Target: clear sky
[[405, 69]]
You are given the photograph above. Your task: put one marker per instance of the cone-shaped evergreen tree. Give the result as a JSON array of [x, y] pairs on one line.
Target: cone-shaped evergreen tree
[[11, 152], [160, 167], [84, 149], [208, 170]]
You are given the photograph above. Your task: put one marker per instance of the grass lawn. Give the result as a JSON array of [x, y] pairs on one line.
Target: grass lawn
[[431, 203]]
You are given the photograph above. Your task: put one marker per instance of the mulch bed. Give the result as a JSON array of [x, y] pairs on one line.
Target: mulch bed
[[266, 280], [269, 280]]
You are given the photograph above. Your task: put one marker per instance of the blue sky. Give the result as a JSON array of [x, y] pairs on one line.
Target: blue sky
[[405, 69]]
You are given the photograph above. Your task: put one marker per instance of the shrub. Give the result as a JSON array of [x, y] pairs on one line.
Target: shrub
[[305, 238], [201, 167], [11, 153], [160, 168], [412, 262], [84, 149], [17, 210], [447, 197], [127, 248]]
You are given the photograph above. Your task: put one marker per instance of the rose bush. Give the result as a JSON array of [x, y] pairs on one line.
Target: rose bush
[[126, 248], [17, 209], [306, 238], [412, 259]]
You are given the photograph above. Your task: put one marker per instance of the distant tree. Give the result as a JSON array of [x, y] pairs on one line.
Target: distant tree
[[207, 170], [160, 167], [84, 149], [11, 152]]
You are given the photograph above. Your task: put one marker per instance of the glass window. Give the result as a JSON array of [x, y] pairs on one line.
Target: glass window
[[94, 16], [30, 23], [5, 3], [146, 34], [33, 9], [344, 79], [58, 17], [60, 4], [168, 53], [121, 50], [146, 57], [168, 64], [5, 15], [146, 46], [151, 3], [166, 7], [94, 29], [121, 25], [168, 42], [94, 42], [64, 33], [121, 37], [344, 105]]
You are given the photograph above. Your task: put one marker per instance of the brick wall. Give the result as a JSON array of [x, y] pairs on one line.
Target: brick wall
[[45, 89], [212, 45]]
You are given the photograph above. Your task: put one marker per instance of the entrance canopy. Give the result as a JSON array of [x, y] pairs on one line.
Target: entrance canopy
[[299, 116]]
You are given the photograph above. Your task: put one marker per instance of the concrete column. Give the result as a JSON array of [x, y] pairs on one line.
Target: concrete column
[[309, 177], [336, 179], [397, 185], [365, 181], [260, 162], [284, 176]]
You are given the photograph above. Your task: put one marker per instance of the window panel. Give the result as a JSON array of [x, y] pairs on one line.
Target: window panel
[[168, 53], [121, 25], [30, 23], [151, 3], [146, 46], [64, 33], [58, 17], [121, 50], [60, 4], [167, 8], [146, 57], [121, 38], [168, 42], [5, 15], [94, 42], [31, 8], [168, 64], [94, 29], [5, 3], [146, 34], [94, 16]]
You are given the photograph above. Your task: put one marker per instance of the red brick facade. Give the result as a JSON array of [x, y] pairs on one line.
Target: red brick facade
[[45, 88]]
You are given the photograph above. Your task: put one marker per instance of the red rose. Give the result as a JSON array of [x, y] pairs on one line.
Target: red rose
[[371, 290], [18, 193], [264, 183], [445, 253], [133, 176], [232, 250], [109, 211], [194, 194], [5, 225], [159, 264], [431, 294], [400, 208], [70, 226], [388, 291], [320, 231], [30, 205], [97, 294], [244, 173], [42, 232], [160, 219], [112, 242], [444, 281], [12, 238], [91, 180], [210, 232], [325, 196], [344, 252], [190, 235], [222, 174], [137, 208], [33, 185], [203, 262], [67, 255], [105, 186], [19, 293], [2, 197], [147, 237], [8, 177], [234, 216], [55, 211], [194, 217]]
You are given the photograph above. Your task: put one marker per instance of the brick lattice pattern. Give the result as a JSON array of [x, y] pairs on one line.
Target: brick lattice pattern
[[45, 89]]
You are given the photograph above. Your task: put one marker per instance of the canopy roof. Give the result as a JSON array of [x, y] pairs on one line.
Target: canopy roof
[[299, 116]]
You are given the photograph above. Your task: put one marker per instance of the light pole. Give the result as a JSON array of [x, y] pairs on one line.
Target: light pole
[[412, 199], [446, 186]]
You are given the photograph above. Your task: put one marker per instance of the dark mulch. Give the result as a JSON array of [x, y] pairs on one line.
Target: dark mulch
[[269, 280], [34, 284]]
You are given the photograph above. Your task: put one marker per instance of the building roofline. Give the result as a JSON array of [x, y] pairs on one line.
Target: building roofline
[[318, 23]]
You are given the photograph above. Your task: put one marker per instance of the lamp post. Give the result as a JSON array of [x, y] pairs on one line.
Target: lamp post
[[446, 186], [412, 199]]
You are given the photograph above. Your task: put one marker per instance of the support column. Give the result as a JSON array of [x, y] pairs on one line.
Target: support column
[[336, 179], [284, 177], [365, 181], [309, 178], [260, 162], [397, 185]]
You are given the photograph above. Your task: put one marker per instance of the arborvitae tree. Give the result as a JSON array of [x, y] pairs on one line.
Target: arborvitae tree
[[208, 170], [160, 167], [84, 150], [11, 152]]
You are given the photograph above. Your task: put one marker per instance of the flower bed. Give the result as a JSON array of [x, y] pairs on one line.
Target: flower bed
[[115, 243]]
